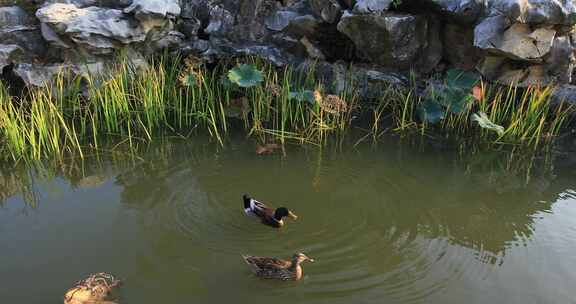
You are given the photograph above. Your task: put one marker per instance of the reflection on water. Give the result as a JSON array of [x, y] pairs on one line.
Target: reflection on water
[[386, 224]]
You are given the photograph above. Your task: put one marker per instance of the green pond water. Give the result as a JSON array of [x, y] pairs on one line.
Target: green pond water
[[386, 224]]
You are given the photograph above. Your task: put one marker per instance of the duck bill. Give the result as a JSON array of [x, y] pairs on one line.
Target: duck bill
[[292, 215], [311, 260]]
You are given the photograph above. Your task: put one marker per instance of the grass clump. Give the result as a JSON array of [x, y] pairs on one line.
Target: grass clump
[[492, 114], [138, 104], [132, 105]]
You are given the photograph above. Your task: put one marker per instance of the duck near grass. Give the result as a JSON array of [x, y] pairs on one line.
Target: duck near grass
[[274, 268], [269, 216]]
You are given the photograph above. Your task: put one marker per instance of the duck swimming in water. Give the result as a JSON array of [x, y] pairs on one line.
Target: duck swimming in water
[[273, 268], [268, 216]]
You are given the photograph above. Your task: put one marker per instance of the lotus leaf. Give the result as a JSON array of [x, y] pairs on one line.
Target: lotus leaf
[[431, 112], [306, 95], [245, 75], [461, 79]]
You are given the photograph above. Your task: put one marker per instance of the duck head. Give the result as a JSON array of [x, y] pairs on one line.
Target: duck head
[[282, 212], [300, 257], [246, 199]]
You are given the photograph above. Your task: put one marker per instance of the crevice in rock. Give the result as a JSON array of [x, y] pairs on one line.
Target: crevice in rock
[[15, 84], [414, 7], [202, 33], [335, 45]]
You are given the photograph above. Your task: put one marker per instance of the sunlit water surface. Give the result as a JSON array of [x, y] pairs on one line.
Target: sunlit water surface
[[388, 224]]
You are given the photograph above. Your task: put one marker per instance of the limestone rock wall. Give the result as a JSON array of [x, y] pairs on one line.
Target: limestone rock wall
[[509, 41]]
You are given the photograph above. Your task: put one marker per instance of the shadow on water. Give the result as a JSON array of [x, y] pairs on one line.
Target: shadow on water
[[390, 222]]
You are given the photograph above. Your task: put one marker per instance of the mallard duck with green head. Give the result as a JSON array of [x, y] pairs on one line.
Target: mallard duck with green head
[[269, 216], [273, 268]]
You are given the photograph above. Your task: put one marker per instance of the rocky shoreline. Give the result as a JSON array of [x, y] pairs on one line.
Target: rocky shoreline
[[506, 41]]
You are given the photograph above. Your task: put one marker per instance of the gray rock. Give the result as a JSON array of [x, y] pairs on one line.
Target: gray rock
[[394, 40], [9, 53], [145, 10], [560, 62], [37, 75], [172, 40], [313, 51], [368, 80], [43, 74], [327, 10], [97, 29], [221, 21], [19, 28], [51, 37], [280, 20], [300, 26], [87, 3], [564, 93], [371, 6], [516, 41], [548, 12], [14, 18], [467, 11], [460, 52]]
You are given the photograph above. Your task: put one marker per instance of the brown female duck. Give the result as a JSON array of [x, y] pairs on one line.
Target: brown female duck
[[93, 290], [268, 216], [273, 268]]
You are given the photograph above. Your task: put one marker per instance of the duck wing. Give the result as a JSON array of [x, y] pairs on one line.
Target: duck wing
[[266, 263], [257, 208]]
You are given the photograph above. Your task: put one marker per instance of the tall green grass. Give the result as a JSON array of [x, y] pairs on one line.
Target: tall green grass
[[529, 116], [133, 105]]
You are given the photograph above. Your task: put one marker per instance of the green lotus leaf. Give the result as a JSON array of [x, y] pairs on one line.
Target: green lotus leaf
[[304, 96], [455, 100], [461, 79], [245, 75], [430, 111]]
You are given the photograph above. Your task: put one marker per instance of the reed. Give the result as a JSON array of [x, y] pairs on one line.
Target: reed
[[171, 95], [528, 115], [140, 104]]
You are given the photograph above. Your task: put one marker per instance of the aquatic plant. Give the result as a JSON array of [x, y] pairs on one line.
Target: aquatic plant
[[454, 98], [134, 105], [245, 75], [512, 115]]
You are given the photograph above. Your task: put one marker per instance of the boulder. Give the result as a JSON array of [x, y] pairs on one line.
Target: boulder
[[516, 41], [37, 75], [145, 10], [371, 6], [536, 12], [396, 40], [9, 53], [465, 11], [280, 20], [17, 27], [564, 93], [561, 60], [87, 3], [97, 29], [370, 81], [461, 54], [327, 10], [221, 21]]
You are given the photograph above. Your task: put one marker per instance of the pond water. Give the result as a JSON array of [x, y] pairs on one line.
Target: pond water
[[386, 224]]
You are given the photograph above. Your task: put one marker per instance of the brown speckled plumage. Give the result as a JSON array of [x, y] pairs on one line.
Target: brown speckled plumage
[[273, 268]]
